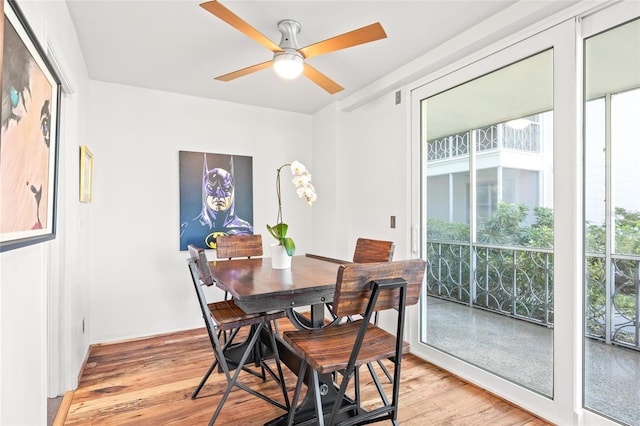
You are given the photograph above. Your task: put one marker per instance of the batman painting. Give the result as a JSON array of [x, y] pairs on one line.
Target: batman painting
[[224, 190]]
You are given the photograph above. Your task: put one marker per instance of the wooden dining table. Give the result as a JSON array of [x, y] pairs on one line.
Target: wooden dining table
[[257, 287]]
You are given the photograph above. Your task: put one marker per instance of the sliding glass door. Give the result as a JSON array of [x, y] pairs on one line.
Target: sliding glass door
[[489, 222], [495, 149], [527, 210], [612, 221]]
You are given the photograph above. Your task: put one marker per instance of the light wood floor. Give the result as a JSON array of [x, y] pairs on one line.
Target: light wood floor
[[150, 381]]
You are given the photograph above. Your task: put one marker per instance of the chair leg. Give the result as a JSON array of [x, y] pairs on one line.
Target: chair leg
[[376, 381], [384, 369], [231, 381], [318, 399], [279, 376], [204, 379], [276, 355], [296, 394], [396, 388], [227, 343], [341, 392], [356, 381]]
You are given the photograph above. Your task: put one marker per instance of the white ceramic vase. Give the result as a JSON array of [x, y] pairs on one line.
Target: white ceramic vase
[[279, 257]]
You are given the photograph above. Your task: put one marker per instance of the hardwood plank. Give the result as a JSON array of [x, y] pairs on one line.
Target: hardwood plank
[[150, 381]]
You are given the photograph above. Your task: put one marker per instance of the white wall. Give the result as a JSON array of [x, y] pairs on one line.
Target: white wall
[[376, 167], [139, 280], [361, 156], [328, 230], [23, 332], [39, 280]]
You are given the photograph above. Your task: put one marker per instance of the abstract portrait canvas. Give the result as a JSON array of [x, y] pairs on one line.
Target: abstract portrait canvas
[[28, 136]]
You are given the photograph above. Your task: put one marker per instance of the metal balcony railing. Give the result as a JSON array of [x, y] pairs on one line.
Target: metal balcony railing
[[513, 281], [518, 282], [613, 305], [494, 137]]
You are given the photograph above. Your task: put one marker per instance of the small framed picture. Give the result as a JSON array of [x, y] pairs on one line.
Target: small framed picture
[[86, 174]]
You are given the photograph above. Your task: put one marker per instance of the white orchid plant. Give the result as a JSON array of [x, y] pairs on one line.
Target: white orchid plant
[[304, 189]]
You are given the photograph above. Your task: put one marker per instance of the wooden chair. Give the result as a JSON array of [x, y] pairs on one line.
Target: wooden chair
[[230, 246], [369, 251], [361, 289], [226, 315], [234, 246]]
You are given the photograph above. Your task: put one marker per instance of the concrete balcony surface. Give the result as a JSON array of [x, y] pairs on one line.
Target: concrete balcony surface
[[522, 352]]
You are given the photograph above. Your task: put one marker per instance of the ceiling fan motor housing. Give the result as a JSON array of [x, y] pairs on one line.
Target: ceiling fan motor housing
[[289, 29], [289, 62]]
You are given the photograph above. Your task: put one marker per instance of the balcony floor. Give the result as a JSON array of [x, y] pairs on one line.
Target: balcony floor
[[486, 339]]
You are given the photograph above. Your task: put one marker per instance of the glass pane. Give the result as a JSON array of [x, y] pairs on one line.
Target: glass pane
[[490, 222], [612, 223], [625, 174], [595, 209]]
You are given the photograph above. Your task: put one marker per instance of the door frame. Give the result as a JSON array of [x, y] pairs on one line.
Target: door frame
[[566, 405]]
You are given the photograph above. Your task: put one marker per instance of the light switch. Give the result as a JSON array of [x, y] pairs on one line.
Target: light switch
[[393, 221]]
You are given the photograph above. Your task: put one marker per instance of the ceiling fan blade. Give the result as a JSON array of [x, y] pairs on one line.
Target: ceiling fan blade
[[362, 35], [245, 71], [321, 80], [235, 21]]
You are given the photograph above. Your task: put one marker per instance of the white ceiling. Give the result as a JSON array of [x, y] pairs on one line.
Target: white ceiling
[[177, 46]]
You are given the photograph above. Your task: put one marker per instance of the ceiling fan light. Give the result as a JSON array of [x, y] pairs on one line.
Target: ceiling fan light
[[288, 65]]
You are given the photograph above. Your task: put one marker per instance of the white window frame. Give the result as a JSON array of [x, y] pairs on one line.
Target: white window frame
[[567, 401], [592, 25]]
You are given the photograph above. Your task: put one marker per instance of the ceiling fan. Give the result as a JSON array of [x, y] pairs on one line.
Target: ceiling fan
[[288, 58]]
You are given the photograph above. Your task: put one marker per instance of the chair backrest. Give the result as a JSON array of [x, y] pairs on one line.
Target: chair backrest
[[353, 285], [199, 258], [199, 270], [229, 246], [370, 251]]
